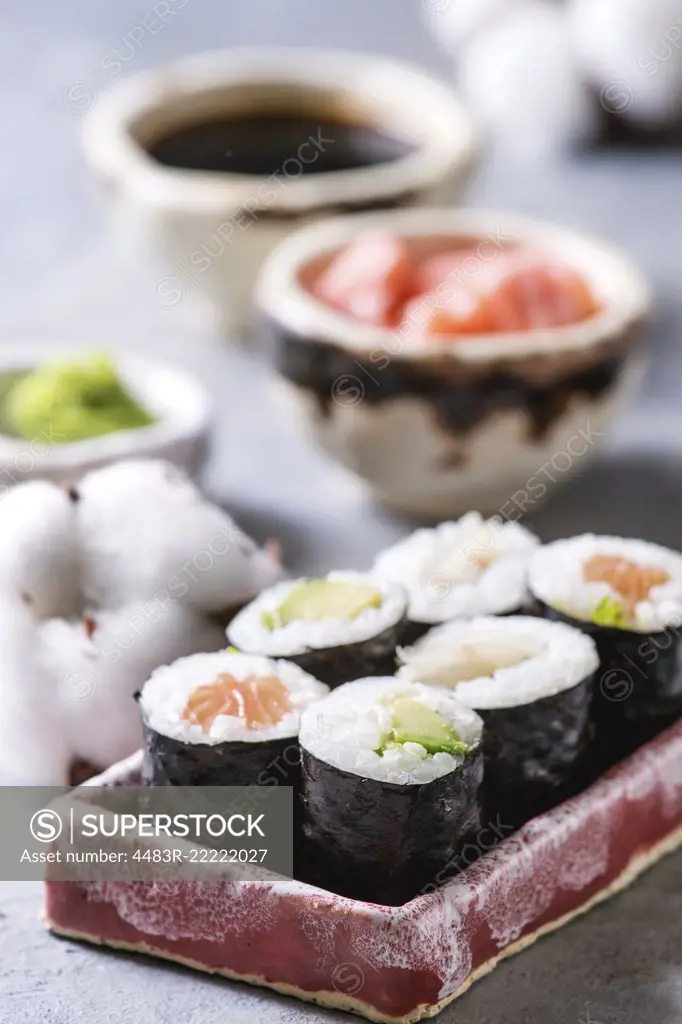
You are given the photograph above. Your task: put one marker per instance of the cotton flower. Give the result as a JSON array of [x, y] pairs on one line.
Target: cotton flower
[[99, 586]]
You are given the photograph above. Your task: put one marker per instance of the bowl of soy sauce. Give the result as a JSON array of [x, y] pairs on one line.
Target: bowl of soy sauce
[[212, 160]]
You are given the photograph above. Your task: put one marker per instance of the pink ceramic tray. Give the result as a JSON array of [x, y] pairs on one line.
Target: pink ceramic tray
[[403, 963]]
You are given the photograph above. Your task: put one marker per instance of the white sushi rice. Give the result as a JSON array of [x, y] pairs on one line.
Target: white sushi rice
[[461, 569], [347, 727], [165, 695], [247, 632], [501, 663], [556, 578]]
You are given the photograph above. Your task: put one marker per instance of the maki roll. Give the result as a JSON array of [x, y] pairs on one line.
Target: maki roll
[[391, 773], [224, 720], [459, 570], [337, 628], [627, 594], [531, 682]]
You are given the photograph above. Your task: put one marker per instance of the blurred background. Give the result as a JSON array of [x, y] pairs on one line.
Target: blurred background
[[64, 283]]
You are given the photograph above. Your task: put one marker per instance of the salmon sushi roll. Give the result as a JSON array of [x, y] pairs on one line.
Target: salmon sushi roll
[[224, 719], [627, 595]]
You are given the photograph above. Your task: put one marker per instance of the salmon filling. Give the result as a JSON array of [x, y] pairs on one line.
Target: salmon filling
[[631, 581], [379, 280], [258, 701]]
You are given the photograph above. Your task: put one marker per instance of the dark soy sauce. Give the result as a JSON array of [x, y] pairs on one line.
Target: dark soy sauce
[[263, 144]]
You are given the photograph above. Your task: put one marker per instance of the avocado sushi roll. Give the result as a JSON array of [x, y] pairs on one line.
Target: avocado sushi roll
[[337, 628], [531, 682], [224, 719], [470, 567], [391, 773], [627, 594]]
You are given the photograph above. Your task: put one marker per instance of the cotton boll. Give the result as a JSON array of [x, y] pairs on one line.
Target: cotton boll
[[97, 714], [520, 76], [453, 22], [146, 530], [239, 574], [38, 549], [33, 750], [98, 665], [632, 51]]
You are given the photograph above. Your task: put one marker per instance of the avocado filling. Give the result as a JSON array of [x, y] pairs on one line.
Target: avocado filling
[[610, 613], [73, 401], [314, 600], [415, 722]]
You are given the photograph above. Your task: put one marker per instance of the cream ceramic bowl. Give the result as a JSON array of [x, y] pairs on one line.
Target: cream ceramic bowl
[[208, 231], [180, 434], [491, 422]]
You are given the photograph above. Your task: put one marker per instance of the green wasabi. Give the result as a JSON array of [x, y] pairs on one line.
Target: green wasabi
[[73, 401]]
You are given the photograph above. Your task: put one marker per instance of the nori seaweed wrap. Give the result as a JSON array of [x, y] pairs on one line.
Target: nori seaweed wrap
[[224, 720], [339, 628], [531, 682], [459, 570], [626, 595], [170, 762], [391, 774]]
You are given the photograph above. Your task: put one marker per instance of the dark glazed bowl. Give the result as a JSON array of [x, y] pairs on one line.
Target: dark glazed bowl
[[487, 421]]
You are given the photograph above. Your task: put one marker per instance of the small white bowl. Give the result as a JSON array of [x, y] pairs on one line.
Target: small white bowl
[[180, 434], [480, 421], [212, 230]]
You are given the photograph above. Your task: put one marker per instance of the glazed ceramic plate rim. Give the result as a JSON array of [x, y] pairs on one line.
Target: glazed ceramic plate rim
[[281, 296], [179, 399], [448, 139], [587, 833]]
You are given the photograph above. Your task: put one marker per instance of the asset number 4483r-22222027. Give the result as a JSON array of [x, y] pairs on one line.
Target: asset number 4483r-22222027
[[201, 855]]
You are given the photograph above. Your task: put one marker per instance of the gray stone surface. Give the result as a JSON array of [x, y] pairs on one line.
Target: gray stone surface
[[62, 283]]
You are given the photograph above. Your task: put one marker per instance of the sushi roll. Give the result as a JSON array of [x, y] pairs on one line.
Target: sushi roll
[[531, 682], [337, 628], [224, 719], [459, 570], [627, 594], [391, 773]]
